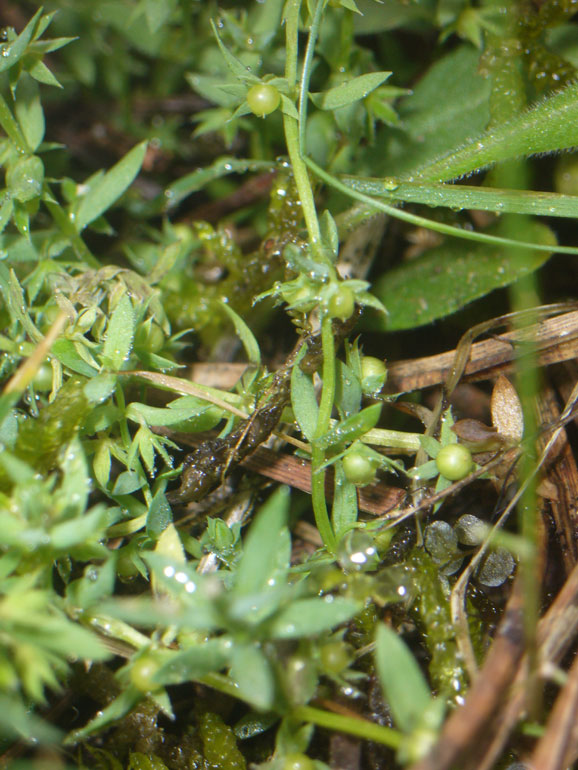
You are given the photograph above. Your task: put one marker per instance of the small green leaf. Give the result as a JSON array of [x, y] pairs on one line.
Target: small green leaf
[[75, 484], [83, 528], [159, 516], [24, 178], [350, 5], [13, 52], [128, 482], [253, 676], [349, 92], [344, 511], [259, 561], [108, 188], [288, 108], [235, 65], [29, 111], [198, 416], [40, 72], [102, 463], [119, 334], [246, 335], [351, 428], [194, 662], [309, 617], [431, 445], [404, 687], [329, 233], [65, 351], [96, 584], [198, 179], [348, 390], [428, 470], [304, 401]]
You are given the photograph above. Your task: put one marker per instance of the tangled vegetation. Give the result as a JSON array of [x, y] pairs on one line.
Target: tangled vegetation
[[232, 533]]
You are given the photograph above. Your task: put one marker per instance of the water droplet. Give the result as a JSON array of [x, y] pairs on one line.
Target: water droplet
[[390, 183], [181, 577]]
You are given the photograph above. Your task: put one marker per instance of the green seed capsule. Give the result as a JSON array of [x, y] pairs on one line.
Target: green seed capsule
[[263, 99], [454, 461], [342, 304], [359, 470]]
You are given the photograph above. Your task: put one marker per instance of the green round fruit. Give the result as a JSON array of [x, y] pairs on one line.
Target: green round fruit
[[42, 380], [263, 99], [372, 367], [298, 762], [358, 468], [342, 303], [142, 673], [335, 657], [454, 461]]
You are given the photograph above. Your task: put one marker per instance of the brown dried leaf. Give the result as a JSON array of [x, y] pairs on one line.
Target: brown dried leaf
[[506, 407], [477, 436]]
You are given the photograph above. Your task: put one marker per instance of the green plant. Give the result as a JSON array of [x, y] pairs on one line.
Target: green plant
[[109, 278]]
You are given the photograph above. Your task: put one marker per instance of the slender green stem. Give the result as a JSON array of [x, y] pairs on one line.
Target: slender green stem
[[306, 73], [328, 393], [292, 40], [303, 185], [361, 728], [293, 137], [293, 133], [323, 421]]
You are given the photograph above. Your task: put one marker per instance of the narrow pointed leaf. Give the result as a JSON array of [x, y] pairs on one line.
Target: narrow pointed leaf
[[109, 187]]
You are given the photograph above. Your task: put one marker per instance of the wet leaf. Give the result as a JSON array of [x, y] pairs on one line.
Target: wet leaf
[[349, 92], [119, 334], [304, 401], [194, 662], [308, 617], [108, 187], [253, 675], [449, 277], [404, 687]]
